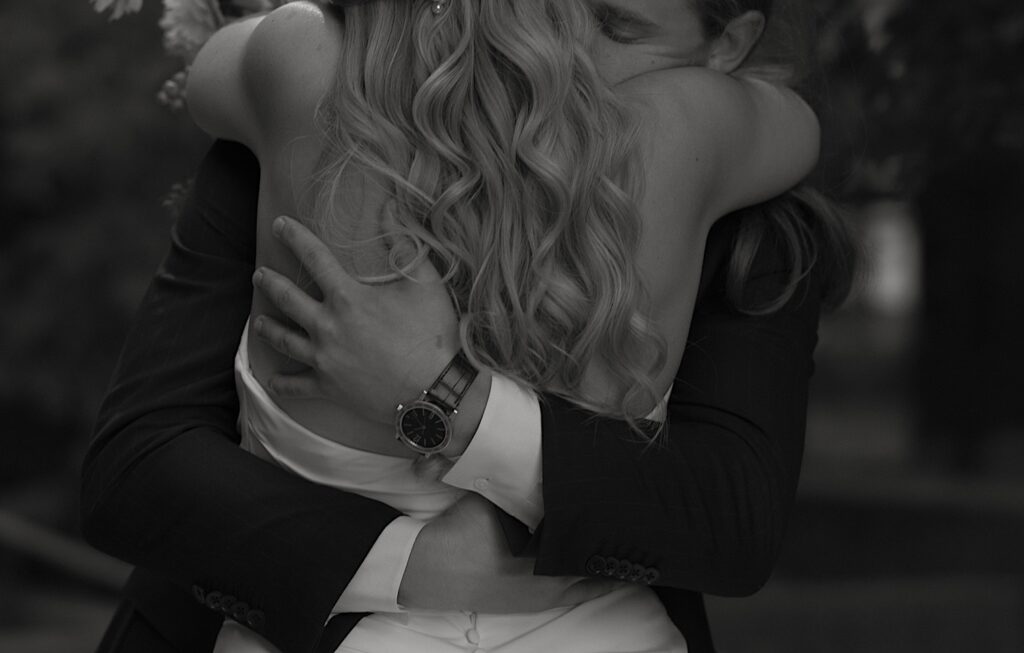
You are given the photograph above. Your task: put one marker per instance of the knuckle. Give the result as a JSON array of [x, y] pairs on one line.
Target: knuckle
[[324, 326], [283, 345], [320, 360], [339, 296], [284, 297], [283, 387]]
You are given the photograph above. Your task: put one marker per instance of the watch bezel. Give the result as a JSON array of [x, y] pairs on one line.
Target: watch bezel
[[423, 404]]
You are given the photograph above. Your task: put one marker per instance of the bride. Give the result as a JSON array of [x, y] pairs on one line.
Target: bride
[[568, 219]]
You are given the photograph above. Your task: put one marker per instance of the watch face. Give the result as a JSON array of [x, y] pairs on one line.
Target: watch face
[[425, 426]]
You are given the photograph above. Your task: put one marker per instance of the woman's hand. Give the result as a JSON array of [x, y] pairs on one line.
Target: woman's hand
[[368, 348], [461, 560]]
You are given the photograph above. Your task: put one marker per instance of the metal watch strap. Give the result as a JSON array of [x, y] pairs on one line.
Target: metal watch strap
[[451, 386]]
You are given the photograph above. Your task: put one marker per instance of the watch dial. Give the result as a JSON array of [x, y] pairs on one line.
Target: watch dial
[[424, 427]]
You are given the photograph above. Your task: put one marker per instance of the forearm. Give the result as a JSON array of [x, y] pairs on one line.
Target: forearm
[[706, 505], [165, 485], [708, 514], [471, 411]]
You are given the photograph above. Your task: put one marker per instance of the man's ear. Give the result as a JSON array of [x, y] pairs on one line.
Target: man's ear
[[734, 45]]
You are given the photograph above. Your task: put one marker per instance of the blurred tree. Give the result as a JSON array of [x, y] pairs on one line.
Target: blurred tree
[[943, 102], [87, 154]]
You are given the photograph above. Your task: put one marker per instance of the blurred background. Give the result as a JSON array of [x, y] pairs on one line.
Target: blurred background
[[910, 523]]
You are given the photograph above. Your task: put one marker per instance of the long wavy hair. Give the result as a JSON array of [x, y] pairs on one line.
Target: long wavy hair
[[508, 162]]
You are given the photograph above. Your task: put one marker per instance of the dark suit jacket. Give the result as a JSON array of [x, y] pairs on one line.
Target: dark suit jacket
[[218, 531]]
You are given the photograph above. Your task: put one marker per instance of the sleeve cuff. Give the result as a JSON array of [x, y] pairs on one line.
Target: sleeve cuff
[[374, 588], [503, 461]]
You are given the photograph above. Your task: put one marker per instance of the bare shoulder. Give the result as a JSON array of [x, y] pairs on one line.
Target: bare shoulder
[[292, 57], [680, 101], [679, 113], [739, 141], [296, 30]]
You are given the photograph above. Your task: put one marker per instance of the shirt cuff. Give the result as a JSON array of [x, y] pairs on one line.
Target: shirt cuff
[[503, 461], [374, 588]]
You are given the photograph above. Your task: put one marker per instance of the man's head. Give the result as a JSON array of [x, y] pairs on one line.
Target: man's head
[[646, 35]]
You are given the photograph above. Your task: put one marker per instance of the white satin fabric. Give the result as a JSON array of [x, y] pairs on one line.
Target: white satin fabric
[[628, 620]]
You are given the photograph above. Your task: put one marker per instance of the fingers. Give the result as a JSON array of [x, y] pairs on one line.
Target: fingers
[[303, 385], [285, 340], [288, 298], [314, 255]]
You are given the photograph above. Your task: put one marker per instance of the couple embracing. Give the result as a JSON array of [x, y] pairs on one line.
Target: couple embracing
[[523, 372]]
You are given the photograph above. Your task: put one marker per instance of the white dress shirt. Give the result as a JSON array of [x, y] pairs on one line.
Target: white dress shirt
[[502, 464]]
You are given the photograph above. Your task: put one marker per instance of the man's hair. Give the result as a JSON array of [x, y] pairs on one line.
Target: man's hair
[[716, 14]]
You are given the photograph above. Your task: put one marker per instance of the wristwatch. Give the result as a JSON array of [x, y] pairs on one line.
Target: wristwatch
[[425, 425]]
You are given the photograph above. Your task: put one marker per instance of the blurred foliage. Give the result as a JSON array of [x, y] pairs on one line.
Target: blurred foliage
[[87, 155], [933, 86], [940, 94], [953, 87]]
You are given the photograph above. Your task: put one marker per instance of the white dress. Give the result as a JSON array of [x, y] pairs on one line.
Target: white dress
[[627, 620]]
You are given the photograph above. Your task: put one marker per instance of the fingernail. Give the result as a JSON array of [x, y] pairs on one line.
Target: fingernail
[[279, 225], [257, 278]]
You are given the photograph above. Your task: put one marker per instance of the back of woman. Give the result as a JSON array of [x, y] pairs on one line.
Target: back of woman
[[567, 219], [481, 135]]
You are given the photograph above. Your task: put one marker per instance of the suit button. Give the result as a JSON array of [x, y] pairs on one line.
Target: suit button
[[651, 576], [239, 612], [255, 619], [199, 594], [623, 570], [610, 565], [636, 573], [213, 600], [595, 565], [227, 603]]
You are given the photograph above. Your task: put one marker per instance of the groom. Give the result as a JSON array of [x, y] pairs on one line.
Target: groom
[[216, 532]]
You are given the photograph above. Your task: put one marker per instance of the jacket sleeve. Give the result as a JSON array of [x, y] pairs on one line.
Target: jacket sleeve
[[705, 506], [165, 486]]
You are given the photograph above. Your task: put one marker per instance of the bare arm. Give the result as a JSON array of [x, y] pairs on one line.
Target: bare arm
[[726, 142], [710, 143], [219, 97]]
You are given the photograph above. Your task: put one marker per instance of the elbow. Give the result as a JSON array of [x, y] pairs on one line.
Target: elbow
[[743, 572], [93, 503], [742, 564], [758, 539], [746, 526], [753, 574], [108, 503]]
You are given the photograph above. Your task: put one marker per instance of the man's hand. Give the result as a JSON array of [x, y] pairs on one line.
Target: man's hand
[[461, 561], [368, 348]]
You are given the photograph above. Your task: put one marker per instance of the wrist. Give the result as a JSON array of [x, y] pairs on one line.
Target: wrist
[[471, 412], [428, 425]]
